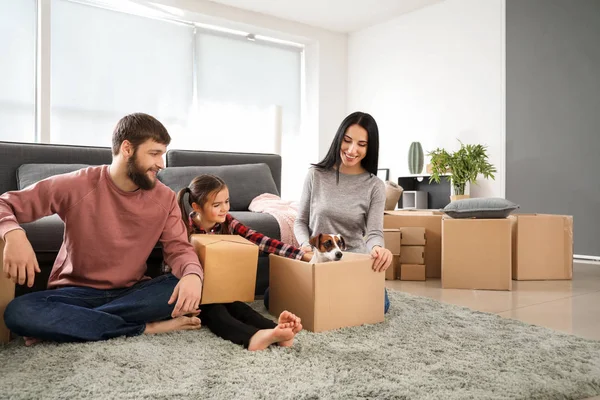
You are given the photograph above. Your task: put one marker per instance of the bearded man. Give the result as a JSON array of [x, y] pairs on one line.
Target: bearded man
[[114, 215]]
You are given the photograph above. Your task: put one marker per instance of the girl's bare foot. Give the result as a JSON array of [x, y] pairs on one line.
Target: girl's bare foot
[[266, 337], [182, 323], [286, 318], [30, 341]]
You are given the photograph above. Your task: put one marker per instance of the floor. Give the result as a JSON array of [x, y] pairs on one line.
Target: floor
[[567, 306]]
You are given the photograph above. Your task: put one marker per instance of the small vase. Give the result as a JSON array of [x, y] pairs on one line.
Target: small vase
[[415, 158], [460, 191]]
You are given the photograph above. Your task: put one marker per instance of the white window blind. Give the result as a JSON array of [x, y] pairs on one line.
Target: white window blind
[[106, 64], [244, 89], [17, 70]]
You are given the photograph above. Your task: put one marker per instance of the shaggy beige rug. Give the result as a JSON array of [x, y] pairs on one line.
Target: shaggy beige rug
[[424, 350]]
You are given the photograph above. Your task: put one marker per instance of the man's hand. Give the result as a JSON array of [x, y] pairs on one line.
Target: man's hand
[[382, 258], [187, 293], [20, 263]]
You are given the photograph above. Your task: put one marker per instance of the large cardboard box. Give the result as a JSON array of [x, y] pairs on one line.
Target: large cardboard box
[[230, 264], [431, 220], [327, 295], [412, 255], [7, 293], [542, 247], [413, 236], [412, 272], [391, 238], [477, 253]]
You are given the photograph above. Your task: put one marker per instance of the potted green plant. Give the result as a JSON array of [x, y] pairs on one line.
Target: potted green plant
[[463, 166]]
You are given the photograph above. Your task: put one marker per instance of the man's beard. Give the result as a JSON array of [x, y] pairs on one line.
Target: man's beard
[[138, 175]]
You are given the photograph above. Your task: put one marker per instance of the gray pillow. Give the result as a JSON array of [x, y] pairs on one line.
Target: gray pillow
[[245, 181], [484, 207], [28, 174]]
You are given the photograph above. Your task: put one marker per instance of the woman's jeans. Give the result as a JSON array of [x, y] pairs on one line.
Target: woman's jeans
[[76, 314]]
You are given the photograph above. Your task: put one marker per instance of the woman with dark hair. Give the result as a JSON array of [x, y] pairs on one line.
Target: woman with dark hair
[[343, 195]]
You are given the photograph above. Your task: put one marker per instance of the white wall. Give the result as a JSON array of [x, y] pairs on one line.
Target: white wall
[[325, 74], [434, 75]]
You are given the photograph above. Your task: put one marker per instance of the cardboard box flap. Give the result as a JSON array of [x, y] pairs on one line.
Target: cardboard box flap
[[211, 239], [348, 294]]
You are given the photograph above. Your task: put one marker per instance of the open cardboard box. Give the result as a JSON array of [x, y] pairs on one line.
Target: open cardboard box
[[327, 295], [7, 293], [230, 264]]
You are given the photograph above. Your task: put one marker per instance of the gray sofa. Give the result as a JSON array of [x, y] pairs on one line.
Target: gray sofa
[[247, 175]]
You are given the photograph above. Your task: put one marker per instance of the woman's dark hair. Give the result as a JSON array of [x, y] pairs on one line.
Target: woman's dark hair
[[371, 160], [199, 191]]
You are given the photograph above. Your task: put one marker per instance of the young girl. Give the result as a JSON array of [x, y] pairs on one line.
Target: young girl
[[238, 322]]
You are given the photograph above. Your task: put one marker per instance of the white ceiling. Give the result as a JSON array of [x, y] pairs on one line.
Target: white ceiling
[[334, 15]]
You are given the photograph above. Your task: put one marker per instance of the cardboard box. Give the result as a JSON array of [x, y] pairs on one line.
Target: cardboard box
[[477, 253], [391, 238], [542, 247], [327, 295], [431, 220], [412, 272], [412, 255], [412, 236], [230, 264], [393, 272], [7, 293]]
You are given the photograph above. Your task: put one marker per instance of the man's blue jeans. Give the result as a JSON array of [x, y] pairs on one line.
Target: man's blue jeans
[[386, 304], [77, 314]]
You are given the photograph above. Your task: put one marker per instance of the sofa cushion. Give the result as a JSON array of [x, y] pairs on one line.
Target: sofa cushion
[[28, 174], [260, 222], [484, 207], [245, 181]]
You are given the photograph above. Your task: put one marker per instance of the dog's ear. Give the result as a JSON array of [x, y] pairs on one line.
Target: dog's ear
[[315, 240], [341, 242]]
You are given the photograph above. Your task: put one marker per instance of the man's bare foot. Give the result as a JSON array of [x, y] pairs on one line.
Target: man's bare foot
[[182, 323], [286, 318], [30, 341], [266, 337]]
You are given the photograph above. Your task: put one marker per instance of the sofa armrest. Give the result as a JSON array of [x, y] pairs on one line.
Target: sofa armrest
[[7, 293]]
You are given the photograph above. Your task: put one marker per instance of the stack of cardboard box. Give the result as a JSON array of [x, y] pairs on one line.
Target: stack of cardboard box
[[421, 242], [412, 254], [407, 245]]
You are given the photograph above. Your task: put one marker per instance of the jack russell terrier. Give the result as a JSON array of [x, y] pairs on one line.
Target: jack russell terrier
[[327, 247]]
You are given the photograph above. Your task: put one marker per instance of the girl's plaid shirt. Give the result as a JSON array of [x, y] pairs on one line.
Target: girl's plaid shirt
[[264, 243]]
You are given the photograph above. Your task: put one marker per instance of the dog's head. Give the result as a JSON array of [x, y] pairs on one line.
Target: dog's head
[[328, 247]]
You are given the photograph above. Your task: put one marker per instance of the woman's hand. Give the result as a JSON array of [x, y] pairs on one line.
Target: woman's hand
[[382, 258], [307, 256]]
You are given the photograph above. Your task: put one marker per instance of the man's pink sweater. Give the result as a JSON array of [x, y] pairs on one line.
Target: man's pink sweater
[[109, 233]]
